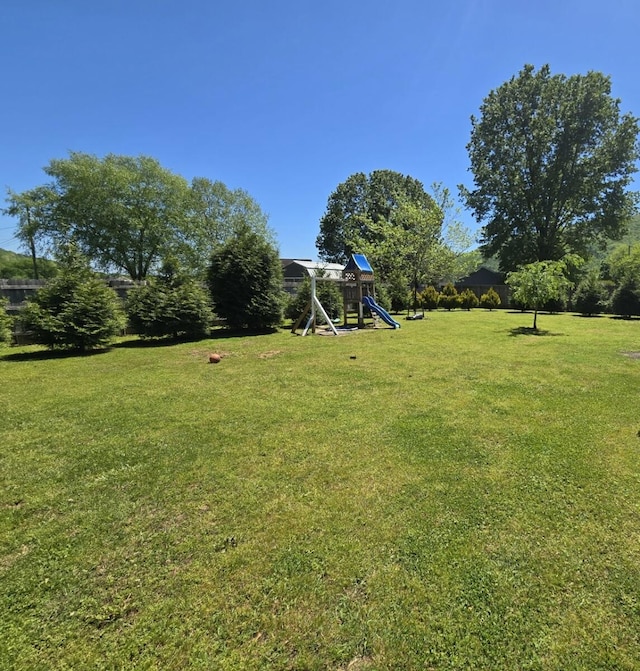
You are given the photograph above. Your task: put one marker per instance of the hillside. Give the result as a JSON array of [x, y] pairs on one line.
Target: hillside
[[19, 266]]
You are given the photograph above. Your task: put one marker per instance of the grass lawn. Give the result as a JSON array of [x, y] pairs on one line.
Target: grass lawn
[[456, 494]]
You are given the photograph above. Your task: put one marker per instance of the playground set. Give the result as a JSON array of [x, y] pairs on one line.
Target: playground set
[[358, 289]]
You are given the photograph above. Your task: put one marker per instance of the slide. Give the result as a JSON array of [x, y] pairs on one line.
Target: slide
[[381, 312]]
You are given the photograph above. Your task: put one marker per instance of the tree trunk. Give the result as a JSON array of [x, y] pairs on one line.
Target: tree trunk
[[535, 320]]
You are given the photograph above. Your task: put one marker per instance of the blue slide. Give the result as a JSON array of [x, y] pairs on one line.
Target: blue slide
[[381, 312]]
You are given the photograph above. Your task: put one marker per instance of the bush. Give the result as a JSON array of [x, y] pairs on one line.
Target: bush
[[160, 310], [6, 323], [383, 299], [590, 297], [429, 298], [468, 299], [328, 294], [449, 297], [490, 300], [398, 294], [245, 281], [625, 300], [75, 310]]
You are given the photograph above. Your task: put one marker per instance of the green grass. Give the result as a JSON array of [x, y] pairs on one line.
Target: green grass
[[456, 494]]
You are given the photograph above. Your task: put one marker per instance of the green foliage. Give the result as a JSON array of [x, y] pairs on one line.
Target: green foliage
[[490, 300], [215, 214], [552, 159], [468, 300], [245, 280], [590, 297], [383, 297], [361, 208], [75, 310], [625, 300], [167, 309], [129, 214], [429, 298], [328, 294], [536, 284], [397, 292], [33, 209], [18, 266], [123, 212], [449, 297], [6, 323], [624, 261]]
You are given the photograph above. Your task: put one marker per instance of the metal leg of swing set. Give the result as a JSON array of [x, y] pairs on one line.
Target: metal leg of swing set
[[317, 305]]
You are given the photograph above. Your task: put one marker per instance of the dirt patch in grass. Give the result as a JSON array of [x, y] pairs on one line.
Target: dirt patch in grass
[[270, 354], [632, 355]]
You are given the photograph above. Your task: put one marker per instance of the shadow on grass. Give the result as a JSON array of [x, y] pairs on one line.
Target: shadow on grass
[[530, 331], [593, 316], [137, 342], [48, 355]]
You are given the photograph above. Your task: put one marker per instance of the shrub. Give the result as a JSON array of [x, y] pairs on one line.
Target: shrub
[[75, 310], [625, 300], [490, 300], [397, 290], [429, 298], [161, 310], [449, 297], [590, 297], [328, 294], [383, 299], [245, 281], [468, 299], [5, 323]]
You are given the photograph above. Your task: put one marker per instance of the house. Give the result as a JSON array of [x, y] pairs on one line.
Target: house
[[483, 279], [294, 271]]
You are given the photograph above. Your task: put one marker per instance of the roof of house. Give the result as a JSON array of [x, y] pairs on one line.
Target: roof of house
[[482, 277], [315, 268]]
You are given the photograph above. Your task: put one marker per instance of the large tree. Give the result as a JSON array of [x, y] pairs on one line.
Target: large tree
[[122, 211], [552, 157], [216, 213], [129, 214], [362, 207]]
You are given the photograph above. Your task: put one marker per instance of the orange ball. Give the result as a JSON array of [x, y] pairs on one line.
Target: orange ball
[[214, 358]]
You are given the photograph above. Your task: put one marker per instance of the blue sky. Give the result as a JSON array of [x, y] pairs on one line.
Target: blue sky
[[284, 98]]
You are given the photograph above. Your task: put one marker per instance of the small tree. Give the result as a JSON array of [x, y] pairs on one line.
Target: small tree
[[590, 296], [5, 323], [429, 298], [449, 297], [468, 299], [75, 310], [245, 280], [538, 283], [625, 300], [490, 300], [160, 310]]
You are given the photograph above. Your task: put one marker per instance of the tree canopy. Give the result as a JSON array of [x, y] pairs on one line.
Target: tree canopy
[[537, 283], [552, 157], [129, 214], [409, 236], [361, 209]]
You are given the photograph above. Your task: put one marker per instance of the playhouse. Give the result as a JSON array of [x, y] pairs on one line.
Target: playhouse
[[358, 292]]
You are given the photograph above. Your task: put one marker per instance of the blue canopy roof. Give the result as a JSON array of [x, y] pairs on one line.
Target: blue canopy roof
[[359, 261]]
